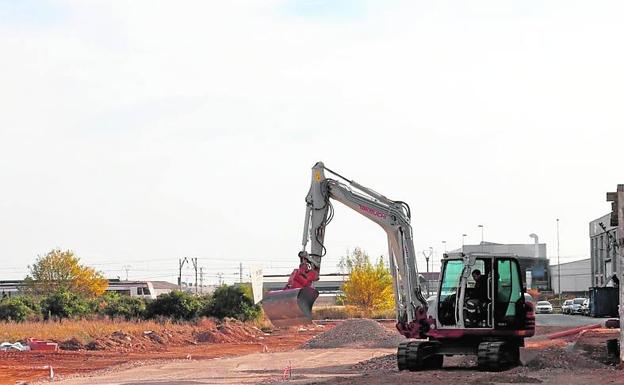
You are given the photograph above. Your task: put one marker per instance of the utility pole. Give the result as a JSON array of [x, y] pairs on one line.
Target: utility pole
[[558, 262], [240, 272], [617, 219], [127, 269], [181, 263], [201, 280], [194, 261]]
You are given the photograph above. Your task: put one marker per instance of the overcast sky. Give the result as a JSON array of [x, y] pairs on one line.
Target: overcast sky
[[138, 132]]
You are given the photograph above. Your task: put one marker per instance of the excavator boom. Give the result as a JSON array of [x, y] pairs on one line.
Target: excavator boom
[[293, 304]]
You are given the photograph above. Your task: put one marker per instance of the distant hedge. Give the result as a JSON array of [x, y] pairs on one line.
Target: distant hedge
[[177, 305], [122, 306], [15, 309], [227, 301], [64, 304], [231, 301]]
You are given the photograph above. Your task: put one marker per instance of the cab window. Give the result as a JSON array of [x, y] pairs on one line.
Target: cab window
[[509, 289]]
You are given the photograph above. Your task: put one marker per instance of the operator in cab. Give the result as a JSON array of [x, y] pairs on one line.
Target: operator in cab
[[480, 287], [475, 308]]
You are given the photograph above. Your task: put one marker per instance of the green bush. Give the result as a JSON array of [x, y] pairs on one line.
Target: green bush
[[176, 304], [121, 306], [64, 304], [33, 303], [15, 309], [231, 301]]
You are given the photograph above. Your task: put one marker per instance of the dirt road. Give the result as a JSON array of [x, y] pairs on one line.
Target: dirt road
[[343, 366], [264, 363], [307, 365]]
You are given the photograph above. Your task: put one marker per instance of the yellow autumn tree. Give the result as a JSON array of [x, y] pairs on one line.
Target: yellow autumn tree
[[369, 286], [61, 270]]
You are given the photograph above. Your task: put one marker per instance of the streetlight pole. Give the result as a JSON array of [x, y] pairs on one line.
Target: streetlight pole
[[558, 262], [427, 256], [482, 227], [463, 238]]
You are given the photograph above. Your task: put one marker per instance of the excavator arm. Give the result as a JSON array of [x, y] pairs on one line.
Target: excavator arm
[[293, 304]]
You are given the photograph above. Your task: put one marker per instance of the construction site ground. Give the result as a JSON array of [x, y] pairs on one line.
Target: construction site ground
[[576, 359]]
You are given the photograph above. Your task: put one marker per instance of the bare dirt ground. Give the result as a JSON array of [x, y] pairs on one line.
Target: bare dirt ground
[[16, 367], [569, 365], [571, 360], [308, 365]]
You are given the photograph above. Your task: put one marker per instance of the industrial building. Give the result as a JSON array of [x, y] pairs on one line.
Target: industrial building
[[532, 258], [575, 277], [602, 239]]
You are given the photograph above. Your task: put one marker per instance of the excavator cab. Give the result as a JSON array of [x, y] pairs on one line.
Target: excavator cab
[[480, 291], [289, 307], [480, 311]]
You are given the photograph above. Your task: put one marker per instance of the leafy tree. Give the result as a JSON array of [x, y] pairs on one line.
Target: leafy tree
[[357, 258], [176, 304], [232, 301], [368, 287], [61, 271], [115, 305], [64, 304], [15, 309]]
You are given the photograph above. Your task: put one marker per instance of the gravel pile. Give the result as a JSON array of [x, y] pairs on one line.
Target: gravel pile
[[361, 333], [386, 363]]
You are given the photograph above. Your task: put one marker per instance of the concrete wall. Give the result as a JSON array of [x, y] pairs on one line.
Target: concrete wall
[[575, 276]]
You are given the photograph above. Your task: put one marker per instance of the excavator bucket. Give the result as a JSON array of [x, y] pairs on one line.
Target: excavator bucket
[[289, 307]]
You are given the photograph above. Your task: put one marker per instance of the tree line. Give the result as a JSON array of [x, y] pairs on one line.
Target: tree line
[[60, 287]]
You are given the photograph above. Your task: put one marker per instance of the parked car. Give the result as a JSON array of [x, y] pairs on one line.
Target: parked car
[[577, 303], [585, 307], [567, 306], [543, 307], [528, 297]]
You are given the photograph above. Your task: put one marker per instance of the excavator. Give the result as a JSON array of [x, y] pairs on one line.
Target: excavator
[[480, 307]]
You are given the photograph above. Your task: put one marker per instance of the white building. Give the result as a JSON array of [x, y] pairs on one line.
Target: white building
[[143, 289], [575, 276]]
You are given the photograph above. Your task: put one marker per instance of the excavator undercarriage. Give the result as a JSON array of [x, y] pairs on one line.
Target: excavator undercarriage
[[427, 355]]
